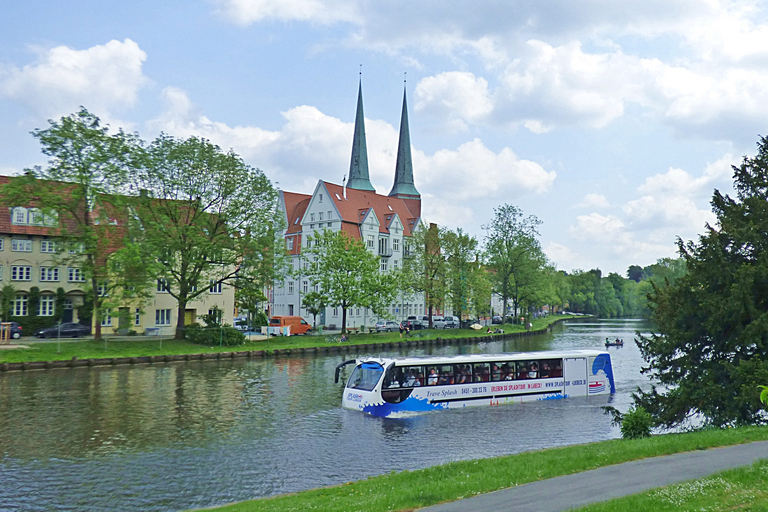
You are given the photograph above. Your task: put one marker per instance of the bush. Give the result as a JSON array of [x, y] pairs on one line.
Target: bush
[[636, 424], [211, 336]]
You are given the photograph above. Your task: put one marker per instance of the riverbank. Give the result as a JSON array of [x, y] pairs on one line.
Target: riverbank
[[409, 490], [114, 350]]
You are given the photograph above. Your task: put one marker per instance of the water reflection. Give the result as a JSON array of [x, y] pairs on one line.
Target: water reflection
[[179, 436]]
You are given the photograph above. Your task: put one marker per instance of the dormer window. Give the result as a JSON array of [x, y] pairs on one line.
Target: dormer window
[[19, 215], [297, 221]]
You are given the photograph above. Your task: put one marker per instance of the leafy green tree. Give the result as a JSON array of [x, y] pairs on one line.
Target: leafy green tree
[[670, 269], [513, 253], [347, 274], [314, 303], [425, 266], [710, 350], [584, 286], [75, 193], [207, 218], [461, 272], [635, 273]]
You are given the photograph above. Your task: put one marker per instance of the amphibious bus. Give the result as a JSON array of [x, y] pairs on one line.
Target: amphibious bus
[[397, 387]]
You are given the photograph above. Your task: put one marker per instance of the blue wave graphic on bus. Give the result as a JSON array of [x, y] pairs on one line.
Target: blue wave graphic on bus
[[410, 404], [603, 362]]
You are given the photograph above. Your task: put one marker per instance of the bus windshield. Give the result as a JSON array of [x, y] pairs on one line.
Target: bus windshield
[[365, 376]]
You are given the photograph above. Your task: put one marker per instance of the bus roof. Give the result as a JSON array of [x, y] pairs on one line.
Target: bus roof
[[481, 358]]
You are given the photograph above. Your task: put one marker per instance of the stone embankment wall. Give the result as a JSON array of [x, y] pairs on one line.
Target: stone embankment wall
[[328, 348]]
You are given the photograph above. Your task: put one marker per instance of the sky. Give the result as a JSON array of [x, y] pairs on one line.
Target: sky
[[611, 122]]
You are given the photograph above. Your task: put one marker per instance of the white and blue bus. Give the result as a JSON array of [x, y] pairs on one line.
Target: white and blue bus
[[396, 387]]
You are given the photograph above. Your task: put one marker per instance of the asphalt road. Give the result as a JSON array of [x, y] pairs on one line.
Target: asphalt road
[[566, 492]]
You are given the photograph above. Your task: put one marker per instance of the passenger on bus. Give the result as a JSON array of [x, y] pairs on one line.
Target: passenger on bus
[[432, 379], [495, 373], [557, 372], [420, 380], [544, 370], [478, 377], [463, 377], [534, 371], [486, 374], [411, 380]]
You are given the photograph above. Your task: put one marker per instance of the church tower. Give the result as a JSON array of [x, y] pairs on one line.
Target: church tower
[[404, 188], [358, 166]]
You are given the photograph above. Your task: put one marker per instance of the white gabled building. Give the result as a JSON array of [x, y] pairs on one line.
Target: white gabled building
[[382, 222]]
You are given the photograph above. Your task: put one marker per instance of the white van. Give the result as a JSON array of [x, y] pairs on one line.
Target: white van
[[438, 322]]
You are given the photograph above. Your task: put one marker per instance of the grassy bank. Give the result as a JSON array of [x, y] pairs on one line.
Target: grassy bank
[[736, 489], [148, 346], [409, 490]]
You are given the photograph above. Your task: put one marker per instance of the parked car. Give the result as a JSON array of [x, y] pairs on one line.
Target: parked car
[[16, 330], [438, 322], [451, 322], [65, 330], [413, 325], [387, 326], [497, 320]]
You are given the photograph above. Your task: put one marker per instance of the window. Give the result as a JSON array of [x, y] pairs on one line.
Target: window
[[76, 247], [49, 273], [383, 245], [370, 241], [305, 286], [290, 287], [290, 309], [311, 217], [76, 275], [21, 273], [162, 284], [395, 244], [2, 240], [20, 306], [48, 246], [335, 311], [289, 243], [137, 317], [330, 214], [47, 303], [19, 245], [394, 264], [383, 264], [106, 320], [215, 287], [216, 314], [320, 198], [162, 317], [19, 215], [101, 289], [311, 226], [320, 216]]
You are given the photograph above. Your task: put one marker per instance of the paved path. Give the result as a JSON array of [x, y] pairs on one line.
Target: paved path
[[565, 492]]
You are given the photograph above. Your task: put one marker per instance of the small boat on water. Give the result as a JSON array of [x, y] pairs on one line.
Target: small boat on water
[[617, 343]]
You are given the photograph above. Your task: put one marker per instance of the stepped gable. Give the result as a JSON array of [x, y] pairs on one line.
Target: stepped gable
[[354, 208]]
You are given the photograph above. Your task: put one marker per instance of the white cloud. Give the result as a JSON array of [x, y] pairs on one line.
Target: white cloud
[[559, 254], [247, 12], [456, 96], [593, 201], [103, 78], [473, 171]]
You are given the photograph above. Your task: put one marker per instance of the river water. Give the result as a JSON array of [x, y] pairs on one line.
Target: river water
[[190, 435]]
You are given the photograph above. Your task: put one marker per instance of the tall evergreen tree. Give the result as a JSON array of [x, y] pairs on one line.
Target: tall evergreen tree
[[711, 348]]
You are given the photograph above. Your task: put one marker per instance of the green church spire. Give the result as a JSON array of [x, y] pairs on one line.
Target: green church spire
[[358, 167], [404, 186]]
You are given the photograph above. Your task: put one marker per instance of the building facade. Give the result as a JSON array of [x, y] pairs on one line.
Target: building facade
[[32, 258], [382, 222]]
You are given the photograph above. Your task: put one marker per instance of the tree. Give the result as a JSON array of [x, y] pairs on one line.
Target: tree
[[513, 252], [710, 350], [347, 274], [425, 265], [635, 273], [74, 194], [207, 218], [461, 273], [314, 303]]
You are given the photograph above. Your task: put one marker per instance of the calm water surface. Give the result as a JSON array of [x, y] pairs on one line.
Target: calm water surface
[[180, 436]]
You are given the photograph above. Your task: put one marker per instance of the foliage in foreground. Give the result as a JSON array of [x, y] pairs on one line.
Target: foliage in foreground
[[224, 335], [408, 490], [711, 348]]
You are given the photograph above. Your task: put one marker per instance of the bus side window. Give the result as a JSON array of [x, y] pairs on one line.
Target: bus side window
[[482, 372], [547, 368], [445, 374]]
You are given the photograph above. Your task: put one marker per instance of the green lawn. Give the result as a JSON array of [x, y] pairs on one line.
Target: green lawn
[[739, 489], [151, 346], [409, 490]]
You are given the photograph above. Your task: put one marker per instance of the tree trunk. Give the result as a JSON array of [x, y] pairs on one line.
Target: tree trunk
[[343, 319], [96, 316], [180, 322]]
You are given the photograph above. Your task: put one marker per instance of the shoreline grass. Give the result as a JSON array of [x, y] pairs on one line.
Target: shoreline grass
[[138, 346], [409, 490]]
